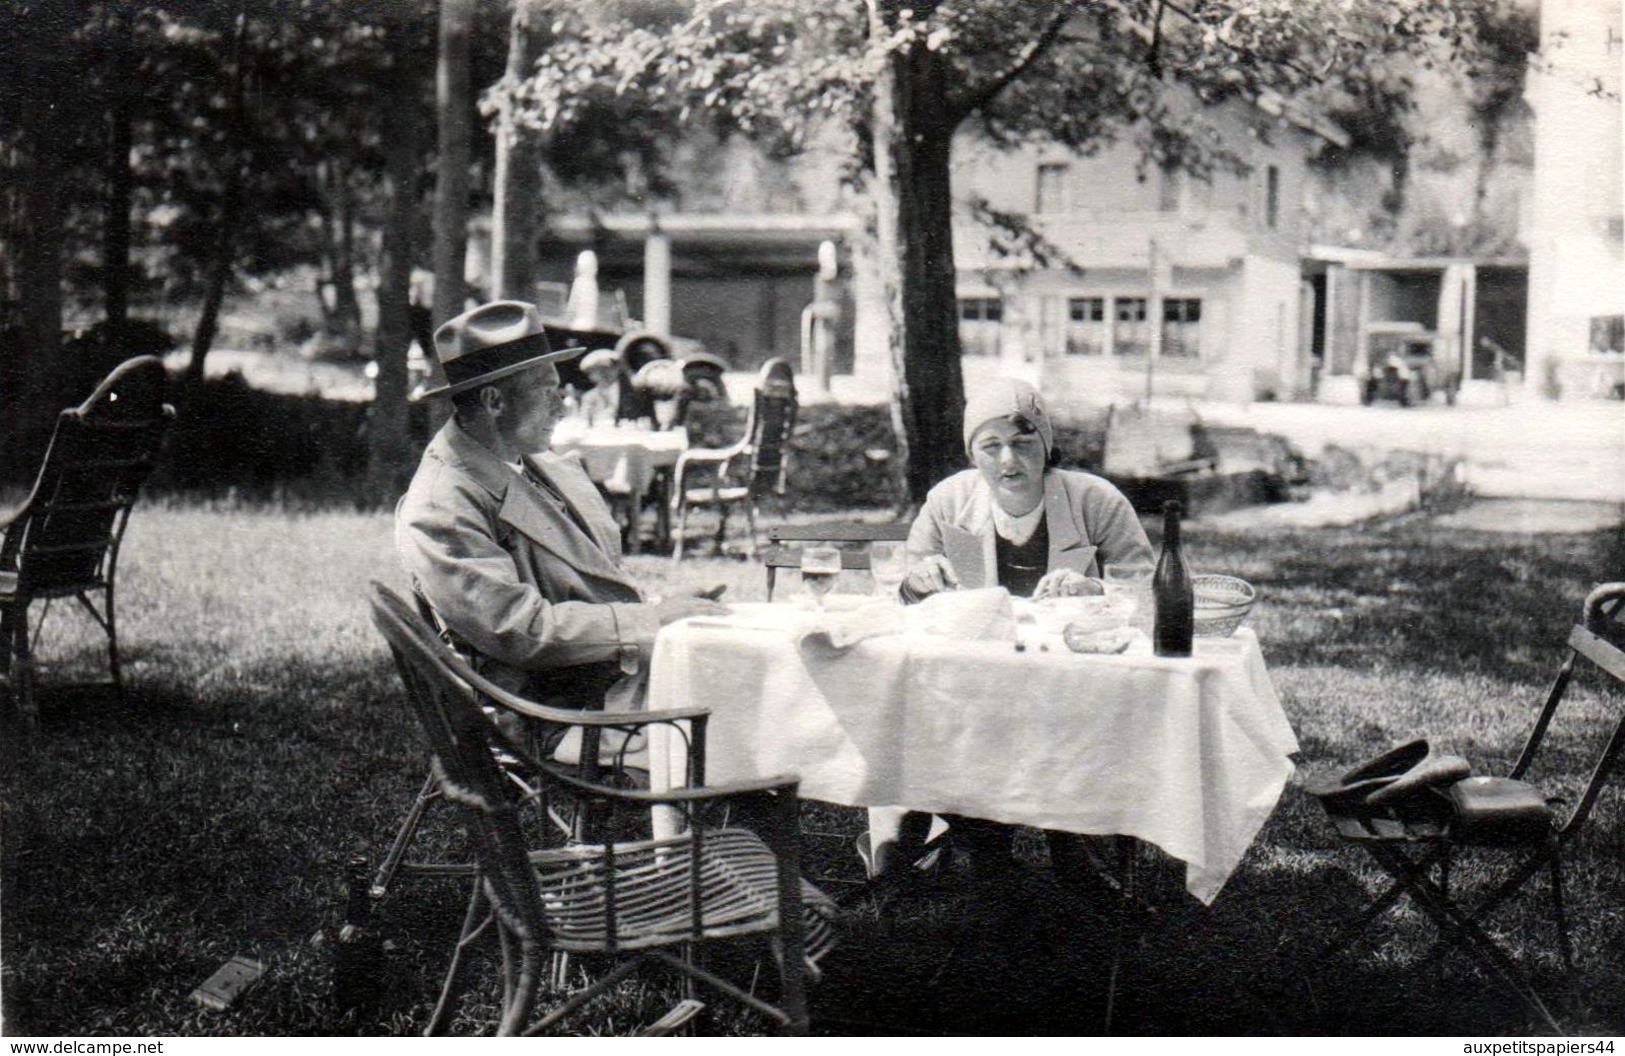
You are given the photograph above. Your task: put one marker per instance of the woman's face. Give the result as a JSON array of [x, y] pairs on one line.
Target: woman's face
[[1010, 458]]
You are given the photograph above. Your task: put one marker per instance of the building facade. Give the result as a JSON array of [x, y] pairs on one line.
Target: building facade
[[1577, 232], [1182, 285]]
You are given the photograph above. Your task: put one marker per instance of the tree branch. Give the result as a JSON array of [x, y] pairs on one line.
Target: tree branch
[[963, 108]]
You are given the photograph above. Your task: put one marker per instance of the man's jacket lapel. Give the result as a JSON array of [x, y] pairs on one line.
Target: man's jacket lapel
[[527, 511]]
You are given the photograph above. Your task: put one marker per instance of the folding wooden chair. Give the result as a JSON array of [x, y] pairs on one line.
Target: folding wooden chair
[[1416, 841], [784, 543], [64, 542], [537, 726], [639, 901]]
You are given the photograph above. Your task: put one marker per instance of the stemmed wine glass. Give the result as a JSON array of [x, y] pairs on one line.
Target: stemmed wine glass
[[819, 567], [888, 565]]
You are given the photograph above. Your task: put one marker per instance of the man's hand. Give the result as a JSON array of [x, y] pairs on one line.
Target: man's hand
[[931, 574], [1066, 583], [673, 609]]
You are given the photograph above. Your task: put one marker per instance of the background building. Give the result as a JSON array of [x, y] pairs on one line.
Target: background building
[[1576, 261]]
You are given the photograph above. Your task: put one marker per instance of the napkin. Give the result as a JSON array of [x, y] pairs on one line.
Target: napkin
[[1096, 613], [842, 630], [983, 615]]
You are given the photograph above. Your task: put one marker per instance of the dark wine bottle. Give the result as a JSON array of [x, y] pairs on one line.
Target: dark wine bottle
[[1173, 591]]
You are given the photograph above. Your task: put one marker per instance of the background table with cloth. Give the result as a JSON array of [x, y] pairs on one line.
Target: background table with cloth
[[623, 459], [1190, 755]]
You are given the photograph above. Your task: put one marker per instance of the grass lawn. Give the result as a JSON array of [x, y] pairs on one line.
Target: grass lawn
[[262, 744]]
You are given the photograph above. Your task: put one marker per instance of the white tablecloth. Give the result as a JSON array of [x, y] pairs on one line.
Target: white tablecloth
[[1189, 754], [622, 459]]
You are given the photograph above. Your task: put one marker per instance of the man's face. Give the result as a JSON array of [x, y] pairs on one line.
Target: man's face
[[532, 406]]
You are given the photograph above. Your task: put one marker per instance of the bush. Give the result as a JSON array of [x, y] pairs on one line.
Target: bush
[[233, 439]]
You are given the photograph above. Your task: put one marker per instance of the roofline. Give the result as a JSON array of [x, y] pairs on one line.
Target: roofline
[[831, 225], [1276, 105]]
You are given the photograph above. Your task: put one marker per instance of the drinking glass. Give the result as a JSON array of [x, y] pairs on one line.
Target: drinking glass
[[819, 567], [665, 413], [888, 564], [1133, 580]]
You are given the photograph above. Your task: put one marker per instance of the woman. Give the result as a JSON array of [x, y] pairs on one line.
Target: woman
[[612, 398], [1012, 520]]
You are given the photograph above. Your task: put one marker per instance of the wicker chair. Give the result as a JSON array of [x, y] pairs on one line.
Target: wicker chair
[[639, 900], [64, 542], [606, 752], [741, 475]]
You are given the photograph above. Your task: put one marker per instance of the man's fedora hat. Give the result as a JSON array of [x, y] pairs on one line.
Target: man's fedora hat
[[491, 342]]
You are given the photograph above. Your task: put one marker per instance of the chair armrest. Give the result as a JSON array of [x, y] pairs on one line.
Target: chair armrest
[[1594, 617], [787, 784], [703, 456], [513, 702]]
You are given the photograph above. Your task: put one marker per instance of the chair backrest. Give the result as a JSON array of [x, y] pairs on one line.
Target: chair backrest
[[66, 536], [605, 883], [461, 741], [1596, 644], [784, 543], [772, 418], [703, 382]]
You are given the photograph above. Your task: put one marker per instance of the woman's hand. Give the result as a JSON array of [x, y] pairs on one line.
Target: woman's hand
[[930, 575], [1066, 583]]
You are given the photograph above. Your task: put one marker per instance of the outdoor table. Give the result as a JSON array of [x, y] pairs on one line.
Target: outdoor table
[[625, 460], [1187, 754]]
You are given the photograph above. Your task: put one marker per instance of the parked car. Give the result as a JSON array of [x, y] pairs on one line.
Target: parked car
[[1405, 369]]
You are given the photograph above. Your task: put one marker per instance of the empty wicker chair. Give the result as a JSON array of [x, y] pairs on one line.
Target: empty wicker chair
[[741, 475], [64, 542]]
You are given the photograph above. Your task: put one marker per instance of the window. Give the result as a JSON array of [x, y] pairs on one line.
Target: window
[[1182, 327], [1052, 181], [1608, 333], [1272, 197], [1130, 336], [980, 320], [1086, 326]]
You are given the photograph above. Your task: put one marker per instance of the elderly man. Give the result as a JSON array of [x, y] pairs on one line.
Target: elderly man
[[512, 545]]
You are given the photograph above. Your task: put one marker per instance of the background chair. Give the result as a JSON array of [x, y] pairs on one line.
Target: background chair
[[1416, 841], [633, 900], [784, 543], [538, 727], [64, 542], [741, 475]]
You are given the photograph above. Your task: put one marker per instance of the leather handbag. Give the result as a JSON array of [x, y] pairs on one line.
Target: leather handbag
[[1498, 810]]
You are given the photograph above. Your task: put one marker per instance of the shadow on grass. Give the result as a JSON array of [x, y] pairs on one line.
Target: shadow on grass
[[1411, 597]]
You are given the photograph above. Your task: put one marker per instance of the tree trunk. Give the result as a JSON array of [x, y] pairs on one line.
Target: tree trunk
[[913, 135], [346, 321], [225, 246], [453, 102], [31, 257], [214, 293], [120, 192], [517, 200], [389, 447], [888, 264]]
